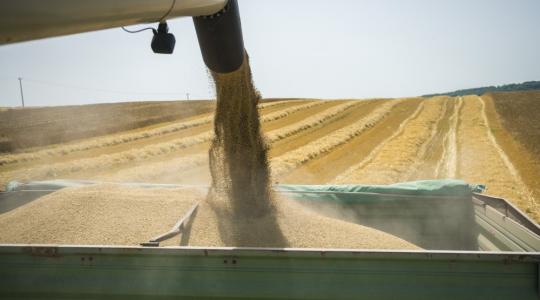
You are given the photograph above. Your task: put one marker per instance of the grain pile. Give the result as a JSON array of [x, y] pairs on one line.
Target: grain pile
[[107, 214], [102, 214], [290, 225]]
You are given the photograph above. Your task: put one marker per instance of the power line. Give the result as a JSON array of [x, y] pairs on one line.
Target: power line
[[174, 94], [97, 89], [78, 87]]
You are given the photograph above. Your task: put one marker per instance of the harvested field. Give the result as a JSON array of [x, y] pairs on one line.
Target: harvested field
[[34, 127], [289, 161], [398, 154], [110, 153], [489, 140], [334, 163], [513, 118], [481, 159], [147, 135], [518, 112]]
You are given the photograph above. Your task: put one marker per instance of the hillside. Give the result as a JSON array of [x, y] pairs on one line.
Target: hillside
[[42, 126]]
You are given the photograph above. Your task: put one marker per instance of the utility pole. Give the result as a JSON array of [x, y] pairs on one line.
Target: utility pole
[[187, 96], [22, 95]]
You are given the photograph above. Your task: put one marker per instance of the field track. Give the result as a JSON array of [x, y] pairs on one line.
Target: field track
[[313, 142]]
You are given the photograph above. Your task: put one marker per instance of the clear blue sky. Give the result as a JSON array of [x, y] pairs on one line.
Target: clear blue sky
[[308, 48]]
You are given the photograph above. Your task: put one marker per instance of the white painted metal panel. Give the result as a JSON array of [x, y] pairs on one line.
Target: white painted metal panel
[[22, 20]]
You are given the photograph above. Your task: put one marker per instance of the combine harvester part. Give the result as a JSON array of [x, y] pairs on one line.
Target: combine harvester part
[[163, 42], [217, 23], [25, 20], [220, 39]]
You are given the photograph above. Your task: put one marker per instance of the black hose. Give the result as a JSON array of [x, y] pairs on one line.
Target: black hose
[[220, 39]]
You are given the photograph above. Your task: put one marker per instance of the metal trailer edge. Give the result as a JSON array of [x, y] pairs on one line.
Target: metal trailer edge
[[86, 272]]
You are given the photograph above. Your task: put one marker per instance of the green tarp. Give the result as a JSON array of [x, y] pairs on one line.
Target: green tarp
[[353, 192], [444, 187]]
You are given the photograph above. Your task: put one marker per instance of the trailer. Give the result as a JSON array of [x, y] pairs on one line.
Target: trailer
[[477, 247]]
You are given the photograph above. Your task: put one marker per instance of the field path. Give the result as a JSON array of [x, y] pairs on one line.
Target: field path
[[447, 166], [430, 153]]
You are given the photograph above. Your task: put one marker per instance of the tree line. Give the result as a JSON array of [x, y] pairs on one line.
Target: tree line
[[525, 86]]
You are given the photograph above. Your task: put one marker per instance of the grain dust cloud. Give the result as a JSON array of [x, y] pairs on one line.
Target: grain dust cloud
[[240, 191], [239, 154]]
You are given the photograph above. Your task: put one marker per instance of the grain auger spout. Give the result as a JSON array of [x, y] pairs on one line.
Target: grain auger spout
[[220, 39], [217, 23]]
